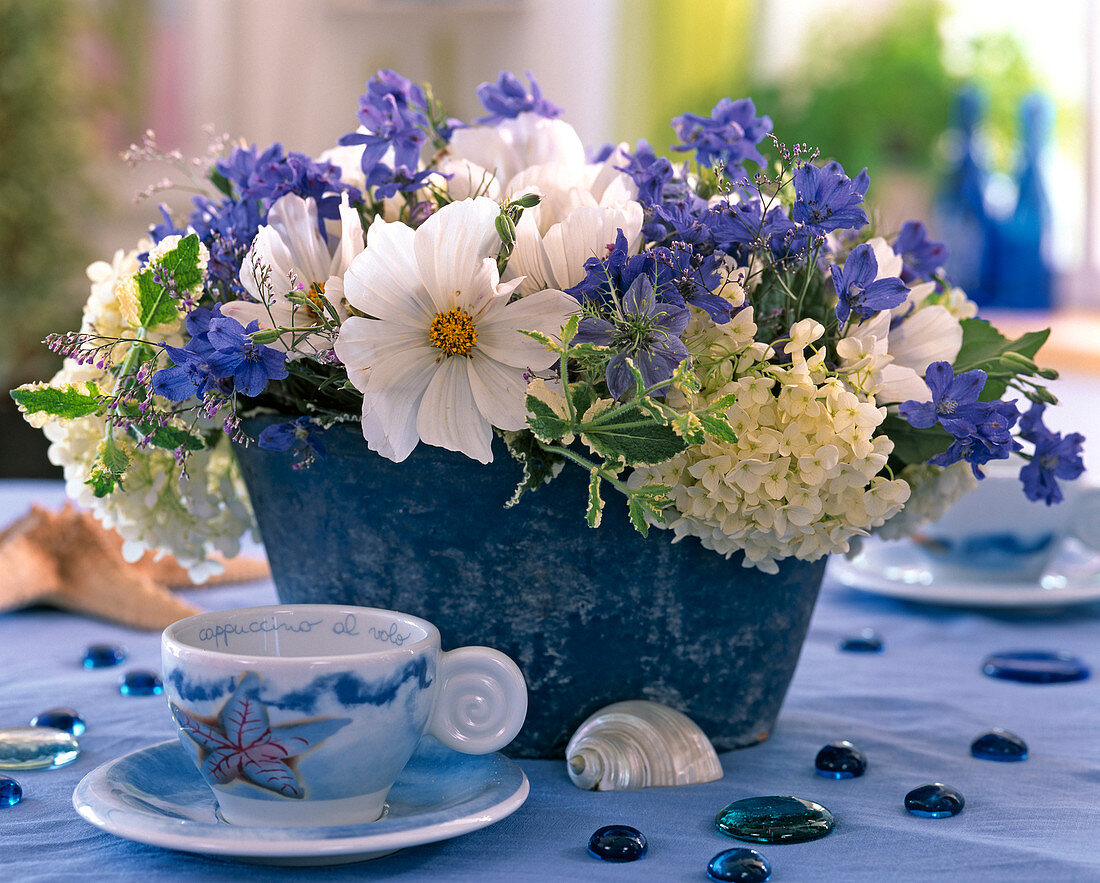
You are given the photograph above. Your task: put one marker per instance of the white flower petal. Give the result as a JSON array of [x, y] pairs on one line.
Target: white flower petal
[[295, 220], [364, 343], [448, 416], [901, 384], [451, 245], [499, 391], [927, 335], [390, 411], [382, 280], [351, 239], [498, 330]]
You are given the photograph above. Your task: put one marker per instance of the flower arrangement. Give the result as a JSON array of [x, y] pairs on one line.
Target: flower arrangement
[[739, 354]]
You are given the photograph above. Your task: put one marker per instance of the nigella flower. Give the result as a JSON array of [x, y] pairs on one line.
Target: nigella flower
[[507, 98], [1055, 457], [651, 173], [685, 220], [729, 134], [921, 256], [859, 292], [639, 328], [605, 280], [826, 199]]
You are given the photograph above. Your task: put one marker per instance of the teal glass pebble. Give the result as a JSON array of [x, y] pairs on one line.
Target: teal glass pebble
[[36, 748], [780, 819], [617, 843], [10, 792], [739, 866], [935, 801], [64, 719], [840, 760], [103, 656], [999, 745], [867, 641], [140, 683]]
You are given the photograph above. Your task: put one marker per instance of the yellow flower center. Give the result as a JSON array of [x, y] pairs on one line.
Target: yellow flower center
[[453, 332]]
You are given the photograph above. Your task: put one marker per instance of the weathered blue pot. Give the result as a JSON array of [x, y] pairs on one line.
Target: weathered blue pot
[[591, 616]]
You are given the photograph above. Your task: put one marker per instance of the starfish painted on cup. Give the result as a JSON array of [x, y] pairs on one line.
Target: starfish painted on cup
[[241, 743]]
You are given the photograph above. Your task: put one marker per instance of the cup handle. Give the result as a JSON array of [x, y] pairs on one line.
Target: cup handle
[[481, 702]]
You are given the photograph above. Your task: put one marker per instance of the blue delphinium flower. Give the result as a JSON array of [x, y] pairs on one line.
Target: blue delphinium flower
[[991, 438], [507, 98], [191, 373], [859, 292], [827, 199], [301, 435], [729, 134], [641, 329], [695, 278], [651, 173], [250, 365], [393, 111], [920, 256], [685, 220], [1055, 457], [606, 279]]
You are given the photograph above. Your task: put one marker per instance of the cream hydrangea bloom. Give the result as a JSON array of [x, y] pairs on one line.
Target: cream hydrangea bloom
[[441, 358], [802, 478]]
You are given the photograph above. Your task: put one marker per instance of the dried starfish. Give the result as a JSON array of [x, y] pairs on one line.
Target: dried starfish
[[67, 559]]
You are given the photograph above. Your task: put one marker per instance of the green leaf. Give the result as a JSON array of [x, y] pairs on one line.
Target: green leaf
[[914, 446], [539, 465], [221, 182], [718, 427], [983, 346], [545, 339], [583, 395], [168, 437], [628, 436], [66, 402], [545, 424], [113, 458], [569, 331], [647, 500], [181, 265], [101, 481], [154, 302], [594, 515], [637, 516]]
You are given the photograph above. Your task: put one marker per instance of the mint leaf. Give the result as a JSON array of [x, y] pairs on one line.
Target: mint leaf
[[539, 465], [718, 427], [181, 267], [914, 446], [594, 515], [67, 402], [545, 424], [982, 347], [627, 436]]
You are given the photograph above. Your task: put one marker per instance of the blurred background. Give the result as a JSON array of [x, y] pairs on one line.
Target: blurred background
[[981, 118]]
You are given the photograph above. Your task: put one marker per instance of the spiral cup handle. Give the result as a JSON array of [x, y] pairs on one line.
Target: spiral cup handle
[[481, 703]]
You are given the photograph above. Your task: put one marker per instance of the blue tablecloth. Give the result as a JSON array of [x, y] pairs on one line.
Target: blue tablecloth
[[913, 710]]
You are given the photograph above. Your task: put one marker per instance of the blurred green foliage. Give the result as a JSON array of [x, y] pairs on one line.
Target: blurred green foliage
[[44, 194], [877, 91]]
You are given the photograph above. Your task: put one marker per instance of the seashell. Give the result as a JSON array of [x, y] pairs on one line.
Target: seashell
[[638, 744]]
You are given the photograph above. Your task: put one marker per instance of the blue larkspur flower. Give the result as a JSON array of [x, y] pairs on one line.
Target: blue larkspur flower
[[651, 173], [640, 328], [729, 134], [920, 256], [954, 402], [827, 199], [857, 289], [393, 111], [991, 438], [507, 98], [250, 365], [191, 373], [1055, 457], [695, 277], [682, 221]]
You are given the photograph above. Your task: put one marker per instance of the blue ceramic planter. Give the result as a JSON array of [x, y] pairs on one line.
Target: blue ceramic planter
[[591, 616]]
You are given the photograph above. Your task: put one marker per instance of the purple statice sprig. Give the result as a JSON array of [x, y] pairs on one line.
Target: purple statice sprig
[[507, 98], [980, 431], [1056, 456], [859, 292], [302, 436]]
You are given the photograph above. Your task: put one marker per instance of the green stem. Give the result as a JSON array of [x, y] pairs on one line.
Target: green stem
[[588, 465]]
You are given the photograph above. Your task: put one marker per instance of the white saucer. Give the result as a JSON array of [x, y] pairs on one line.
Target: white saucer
[[155, 795], [902, 569]]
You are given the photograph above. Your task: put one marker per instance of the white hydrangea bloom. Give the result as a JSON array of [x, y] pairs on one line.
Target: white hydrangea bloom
[[935, 490], [802, 478]]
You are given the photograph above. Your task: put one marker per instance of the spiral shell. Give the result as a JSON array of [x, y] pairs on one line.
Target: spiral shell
[[638, 744]]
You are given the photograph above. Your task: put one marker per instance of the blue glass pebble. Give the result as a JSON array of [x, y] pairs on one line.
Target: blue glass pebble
[[141, 683], [936, 801], [739, 866], [60, 719], [1036, 667], [103, 656], [840, 760], [36, 748], [999, 745], [617, 843], [867, 641], [774, 820], [10, 792]]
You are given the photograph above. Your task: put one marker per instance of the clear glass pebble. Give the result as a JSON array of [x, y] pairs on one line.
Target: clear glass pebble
[[10, 792], [103, 656], [617, 843], [936, 801], [140, 683], [774, 820], [1036, 667], [36, 748], [999, 745], [867, 641], [840, 760], [739, 866], [60, 719]]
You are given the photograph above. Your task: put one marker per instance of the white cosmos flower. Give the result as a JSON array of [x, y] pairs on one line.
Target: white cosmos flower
[[506, 149], [442, 359], [287, 253]]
